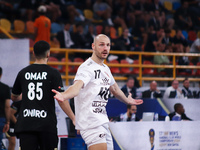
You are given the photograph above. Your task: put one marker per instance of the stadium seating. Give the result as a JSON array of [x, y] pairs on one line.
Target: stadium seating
[[192, 36], [19, 26], [176, 5], [135, 70], [6, 24], [30, 27], [63, 68], [55, 27], [77, 59], [99, 29], [124, 70], [53, 59], [120, 30], [198, 70], [88, 14], [114, 70], [185, 34], [148, 71], [173, 33], [168, 5]]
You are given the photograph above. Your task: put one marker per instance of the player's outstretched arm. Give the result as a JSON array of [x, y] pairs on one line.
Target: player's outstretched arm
[[117, 92], [70, 93]]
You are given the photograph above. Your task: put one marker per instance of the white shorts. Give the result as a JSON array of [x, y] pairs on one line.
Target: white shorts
[[100, 134]]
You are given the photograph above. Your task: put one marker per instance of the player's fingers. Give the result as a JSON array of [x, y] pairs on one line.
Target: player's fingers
[[138, 102], [56, 92]]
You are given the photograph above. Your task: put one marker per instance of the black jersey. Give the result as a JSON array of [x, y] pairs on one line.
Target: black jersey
[[37, 112], [4, 94]]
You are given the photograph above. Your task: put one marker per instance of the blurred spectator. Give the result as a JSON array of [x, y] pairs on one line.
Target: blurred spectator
[[142, 6], [142, 28], [131, 13], [195, 48], [173, 91], [182, 17], [126, 41], [179, 113], [78, 36], [185, 90], [161, 59], [28, 9], [154, 22], [79, 40], [194, 11], [167, 38], [180, 43], [129, 87], [154, 40], [129, 115], [71, 12], [197, 95], [102, 11], [64, 37], [14, 112], [42, 26], [4, 108], [184, 60], [90, 35], [53, 8], [106, 31], [157, 5], [8, 10], [119, 13], [153, 92]]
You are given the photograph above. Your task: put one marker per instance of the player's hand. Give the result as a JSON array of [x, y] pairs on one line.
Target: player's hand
[[58, 96], [6, 128], [78, 132], [134, 101]]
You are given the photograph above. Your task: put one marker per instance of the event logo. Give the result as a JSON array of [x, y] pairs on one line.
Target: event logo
[[151, 138]]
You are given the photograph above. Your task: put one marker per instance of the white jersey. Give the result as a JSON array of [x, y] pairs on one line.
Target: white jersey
[[90, 104]]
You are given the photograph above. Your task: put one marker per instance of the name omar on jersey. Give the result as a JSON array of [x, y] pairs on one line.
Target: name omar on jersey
[[36, 75]]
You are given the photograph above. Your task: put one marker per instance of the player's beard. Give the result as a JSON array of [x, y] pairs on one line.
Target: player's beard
[[101, 55]]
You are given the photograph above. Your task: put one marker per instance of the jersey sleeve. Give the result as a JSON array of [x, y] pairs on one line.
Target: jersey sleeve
[[57, 83], [111, 76], [83, 74]]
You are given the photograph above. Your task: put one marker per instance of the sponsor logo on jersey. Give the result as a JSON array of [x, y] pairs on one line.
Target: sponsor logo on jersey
[[105, 81], [99, 110], [34, 113], [99, 104], [102, 135], [36, 76], [62, 88]]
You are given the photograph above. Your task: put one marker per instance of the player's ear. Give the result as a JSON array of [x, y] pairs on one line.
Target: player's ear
[[93, 45], [48, 54]]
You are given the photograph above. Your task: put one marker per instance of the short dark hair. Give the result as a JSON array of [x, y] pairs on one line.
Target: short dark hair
[[185, 79], [0, 71], [176, 106], [40, 48], [128, 106]]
